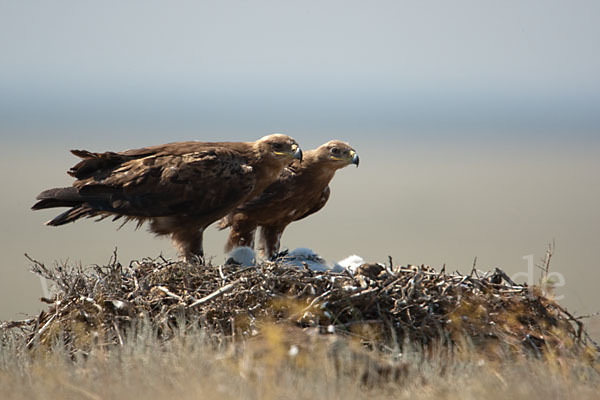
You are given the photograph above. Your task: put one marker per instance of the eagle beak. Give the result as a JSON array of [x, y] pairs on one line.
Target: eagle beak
[[297, 152], [355, 159]]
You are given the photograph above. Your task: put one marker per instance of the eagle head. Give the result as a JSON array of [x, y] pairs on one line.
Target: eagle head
[[281, 147], [339, 153]]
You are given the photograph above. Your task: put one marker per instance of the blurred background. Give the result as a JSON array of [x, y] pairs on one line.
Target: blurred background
[[477, 123]]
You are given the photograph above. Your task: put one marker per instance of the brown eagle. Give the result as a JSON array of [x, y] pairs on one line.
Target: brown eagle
[[180, 188], [301, 190]]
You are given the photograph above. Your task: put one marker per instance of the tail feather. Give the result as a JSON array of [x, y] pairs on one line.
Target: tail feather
[[63, 197], [89, 204], [58, 197], [70, 215]]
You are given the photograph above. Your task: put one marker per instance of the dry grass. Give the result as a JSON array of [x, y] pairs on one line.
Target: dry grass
[[159, 329], [269, 367]]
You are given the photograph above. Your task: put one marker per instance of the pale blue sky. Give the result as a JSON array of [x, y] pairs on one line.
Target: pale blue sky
[[270, 65]]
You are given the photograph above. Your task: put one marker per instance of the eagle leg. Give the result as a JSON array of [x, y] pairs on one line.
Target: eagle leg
[[241, 234], [189, 244], [269, 242]]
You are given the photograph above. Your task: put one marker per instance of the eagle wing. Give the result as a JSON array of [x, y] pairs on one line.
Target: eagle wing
[[277, 193], [164, 180], [317, 206]]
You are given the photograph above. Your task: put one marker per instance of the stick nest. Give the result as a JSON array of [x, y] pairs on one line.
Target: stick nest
[[382, 306]]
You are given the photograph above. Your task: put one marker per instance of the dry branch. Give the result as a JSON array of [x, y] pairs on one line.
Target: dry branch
[[381, 306], [213, 295]]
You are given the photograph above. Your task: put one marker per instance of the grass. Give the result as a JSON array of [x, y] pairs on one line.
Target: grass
[[157, 330], [282, 363]]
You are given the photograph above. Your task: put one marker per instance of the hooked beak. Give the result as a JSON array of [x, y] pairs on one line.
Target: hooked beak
[[355, 159], [297, 152]]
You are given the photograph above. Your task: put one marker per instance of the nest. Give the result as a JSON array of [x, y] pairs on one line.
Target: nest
[[382, 306]]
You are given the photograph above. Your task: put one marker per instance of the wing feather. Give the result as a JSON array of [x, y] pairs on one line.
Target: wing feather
[[320, 204], [167, 182], [279, 192]]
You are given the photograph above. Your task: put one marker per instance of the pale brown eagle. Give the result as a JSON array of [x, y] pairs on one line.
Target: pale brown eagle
[[301, 190], [180, 188]]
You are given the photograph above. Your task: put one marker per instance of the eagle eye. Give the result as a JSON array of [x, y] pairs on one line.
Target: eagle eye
[[335, 150], [277, 146]]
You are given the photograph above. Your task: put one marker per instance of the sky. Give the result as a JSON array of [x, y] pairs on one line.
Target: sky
[[419, 65], [477, 122]]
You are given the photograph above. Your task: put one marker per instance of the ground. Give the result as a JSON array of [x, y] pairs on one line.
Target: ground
[[158, 328]]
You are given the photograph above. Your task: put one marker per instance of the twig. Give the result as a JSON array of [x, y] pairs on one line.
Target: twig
[[43, 329], [214, 294], [572, 318], [239, 271], [545, 267], [221, 274], [315, 301], [15, 324], [169, 293], [505, 277], [364, 293], [474, 265], [588, 315]]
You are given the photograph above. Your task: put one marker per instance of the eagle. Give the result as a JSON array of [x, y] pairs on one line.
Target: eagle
[[301, 190], [179, 188]]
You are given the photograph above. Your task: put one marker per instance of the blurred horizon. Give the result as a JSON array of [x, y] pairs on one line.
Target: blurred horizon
[[528, 67], [477, 122]]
